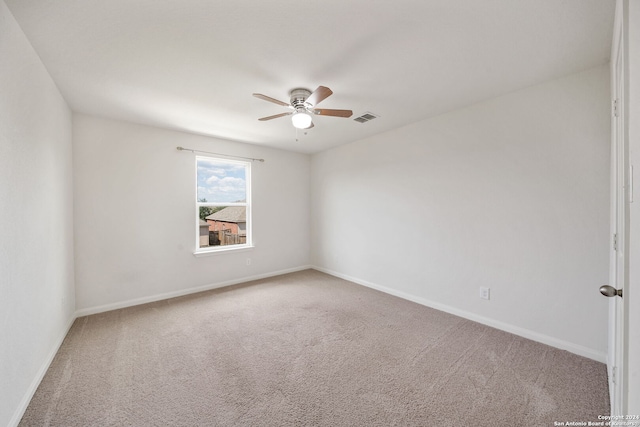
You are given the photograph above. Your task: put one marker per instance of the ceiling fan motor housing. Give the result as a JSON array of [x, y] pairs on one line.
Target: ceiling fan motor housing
[[298, 98]]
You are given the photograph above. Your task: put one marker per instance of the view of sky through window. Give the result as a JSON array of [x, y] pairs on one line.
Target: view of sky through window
[[221, 182]]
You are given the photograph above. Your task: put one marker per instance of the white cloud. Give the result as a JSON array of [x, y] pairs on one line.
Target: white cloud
[[221, 182]]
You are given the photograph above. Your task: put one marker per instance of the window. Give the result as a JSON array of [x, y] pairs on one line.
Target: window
[[223, 204]]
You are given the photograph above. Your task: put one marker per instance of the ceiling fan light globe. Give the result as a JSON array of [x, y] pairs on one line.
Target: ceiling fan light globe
[[301, 120]]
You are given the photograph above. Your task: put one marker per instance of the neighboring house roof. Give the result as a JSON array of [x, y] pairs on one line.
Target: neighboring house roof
[[235, 214], [203, 223]]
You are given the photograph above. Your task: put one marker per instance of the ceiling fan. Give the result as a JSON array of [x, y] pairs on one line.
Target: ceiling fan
[[303, 103]]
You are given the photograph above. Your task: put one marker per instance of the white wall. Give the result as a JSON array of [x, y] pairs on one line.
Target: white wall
[[135, 210], [511, 194], [36, 222], [632, 291]]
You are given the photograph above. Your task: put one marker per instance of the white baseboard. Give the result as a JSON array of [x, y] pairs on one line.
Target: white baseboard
[[26, 399], [525, 333], [182, 292]]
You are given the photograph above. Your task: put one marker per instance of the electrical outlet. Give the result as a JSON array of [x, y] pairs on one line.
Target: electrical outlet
[[485, 293], [248, 261]]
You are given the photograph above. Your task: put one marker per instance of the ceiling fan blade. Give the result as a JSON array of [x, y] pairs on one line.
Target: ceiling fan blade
[[275, 116], [334, 113], [318, 95], [268, 98]]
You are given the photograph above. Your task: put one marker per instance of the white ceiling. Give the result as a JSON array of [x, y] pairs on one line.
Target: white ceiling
[[192, 65]]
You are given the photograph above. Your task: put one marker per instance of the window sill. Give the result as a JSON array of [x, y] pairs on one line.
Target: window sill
[[209, 252]]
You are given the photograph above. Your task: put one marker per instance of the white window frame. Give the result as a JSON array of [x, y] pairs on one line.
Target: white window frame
[[209, 250]]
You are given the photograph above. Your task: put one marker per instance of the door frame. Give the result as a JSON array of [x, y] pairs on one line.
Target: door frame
[[616, 356]]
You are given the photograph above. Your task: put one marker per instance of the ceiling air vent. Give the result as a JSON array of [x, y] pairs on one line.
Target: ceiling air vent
[[366, 117]]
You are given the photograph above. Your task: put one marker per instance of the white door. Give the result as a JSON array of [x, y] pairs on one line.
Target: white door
[[619, 216]]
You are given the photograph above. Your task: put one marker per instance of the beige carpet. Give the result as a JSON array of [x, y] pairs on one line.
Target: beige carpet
[[307, 349]]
